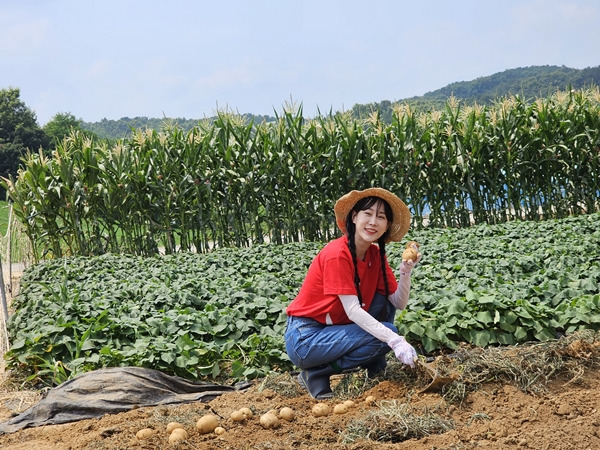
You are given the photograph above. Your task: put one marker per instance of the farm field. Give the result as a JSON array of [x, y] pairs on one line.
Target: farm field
[[509, 312], [499, 415]]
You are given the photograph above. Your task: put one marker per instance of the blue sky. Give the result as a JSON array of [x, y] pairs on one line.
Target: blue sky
[[183, 58]]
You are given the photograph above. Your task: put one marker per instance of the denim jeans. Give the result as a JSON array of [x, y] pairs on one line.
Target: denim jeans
[[309, 343]]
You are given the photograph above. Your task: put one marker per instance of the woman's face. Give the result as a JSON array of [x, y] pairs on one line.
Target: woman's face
[[370, 223]]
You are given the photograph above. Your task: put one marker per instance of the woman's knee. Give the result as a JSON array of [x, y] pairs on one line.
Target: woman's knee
[[391, 326]]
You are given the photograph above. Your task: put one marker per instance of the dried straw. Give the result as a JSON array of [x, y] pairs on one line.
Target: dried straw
[[396, 422]]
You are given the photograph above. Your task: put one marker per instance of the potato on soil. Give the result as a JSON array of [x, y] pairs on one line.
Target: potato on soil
[[207, 424], [144, 433], [219, 431], [269, 420], [237, 416], [349, 404], [287, 413], [178, 434], [340, 408], [321, 410], [369, 400], [173, 425], [247, 412]]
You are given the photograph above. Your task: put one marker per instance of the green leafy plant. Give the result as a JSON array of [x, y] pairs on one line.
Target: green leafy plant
[[222, 314]]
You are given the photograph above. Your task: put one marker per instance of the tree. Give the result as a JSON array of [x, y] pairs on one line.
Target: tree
[[61, 125], [19, 131], [18, 123]]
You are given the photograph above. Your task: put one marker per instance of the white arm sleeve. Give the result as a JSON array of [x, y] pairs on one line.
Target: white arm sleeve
[[400, 298], [364, 320]]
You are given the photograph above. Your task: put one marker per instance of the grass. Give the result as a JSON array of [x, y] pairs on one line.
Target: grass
[[4, 212], [394, 421], [20, 246]]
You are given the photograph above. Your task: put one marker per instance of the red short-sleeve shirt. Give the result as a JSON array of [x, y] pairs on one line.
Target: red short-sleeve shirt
[[331, 274]]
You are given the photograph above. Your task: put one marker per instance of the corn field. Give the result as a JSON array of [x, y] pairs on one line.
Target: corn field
[[231, 183]]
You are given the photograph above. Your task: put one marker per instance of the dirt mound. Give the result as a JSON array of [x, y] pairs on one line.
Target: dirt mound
[[544, 396]]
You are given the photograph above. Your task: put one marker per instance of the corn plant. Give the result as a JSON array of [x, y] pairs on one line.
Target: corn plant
[[229, 182]]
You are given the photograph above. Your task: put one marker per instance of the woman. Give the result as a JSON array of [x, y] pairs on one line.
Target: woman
[[343, 315]]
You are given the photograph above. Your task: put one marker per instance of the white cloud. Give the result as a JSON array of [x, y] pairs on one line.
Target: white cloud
[[98, 70], [244, 74], [19, 34]]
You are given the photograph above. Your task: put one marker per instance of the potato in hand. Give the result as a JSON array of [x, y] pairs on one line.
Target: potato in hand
[[411, 251], [413, 244], [410, 254]]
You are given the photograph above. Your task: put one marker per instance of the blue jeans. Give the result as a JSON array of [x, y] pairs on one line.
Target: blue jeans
[[310, 344]]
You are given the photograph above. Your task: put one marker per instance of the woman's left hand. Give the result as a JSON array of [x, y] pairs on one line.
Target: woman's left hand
[[404, 351]]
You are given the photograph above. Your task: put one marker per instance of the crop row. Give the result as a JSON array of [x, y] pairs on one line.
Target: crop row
[[222, 314], [228, 182]]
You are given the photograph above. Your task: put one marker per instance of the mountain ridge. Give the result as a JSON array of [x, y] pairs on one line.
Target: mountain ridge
[[528, 82]]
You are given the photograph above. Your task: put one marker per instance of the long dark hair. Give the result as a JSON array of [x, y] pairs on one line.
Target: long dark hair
[[362, 205]]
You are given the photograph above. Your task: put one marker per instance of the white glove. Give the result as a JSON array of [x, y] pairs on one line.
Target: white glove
[[407, 266], [403, 351]]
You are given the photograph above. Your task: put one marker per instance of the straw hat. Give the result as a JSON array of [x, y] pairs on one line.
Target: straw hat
[[399, 225]]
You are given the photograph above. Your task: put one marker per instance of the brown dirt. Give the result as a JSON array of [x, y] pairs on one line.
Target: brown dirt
[[565, 415]]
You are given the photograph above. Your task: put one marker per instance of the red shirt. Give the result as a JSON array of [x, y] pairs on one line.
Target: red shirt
[[332, 273]]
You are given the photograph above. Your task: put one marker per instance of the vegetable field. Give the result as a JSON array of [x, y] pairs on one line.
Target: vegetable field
[[222, 314]]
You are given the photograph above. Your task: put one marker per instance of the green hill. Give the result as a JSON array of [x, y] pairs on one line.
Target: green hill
[[527, 82]]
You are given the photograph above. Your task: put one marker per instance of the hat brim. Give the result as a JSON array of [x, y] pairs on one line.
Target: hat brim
[[400, 223]]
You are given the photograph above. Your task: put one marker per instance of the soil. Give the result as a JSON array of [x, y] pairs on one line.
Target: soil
[[496, 416]]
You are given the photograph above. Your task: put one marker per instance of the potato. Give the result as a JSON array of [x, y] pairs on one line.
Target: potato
[[144, 433], [370, 400], [269, 420], [287, 413], [172, 425], [207, 424], [237, 416], [321, 410], [409, 253], [247, 412], [410, 244], [178, 434], [340, 408], [349, 404], [219, 431]]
